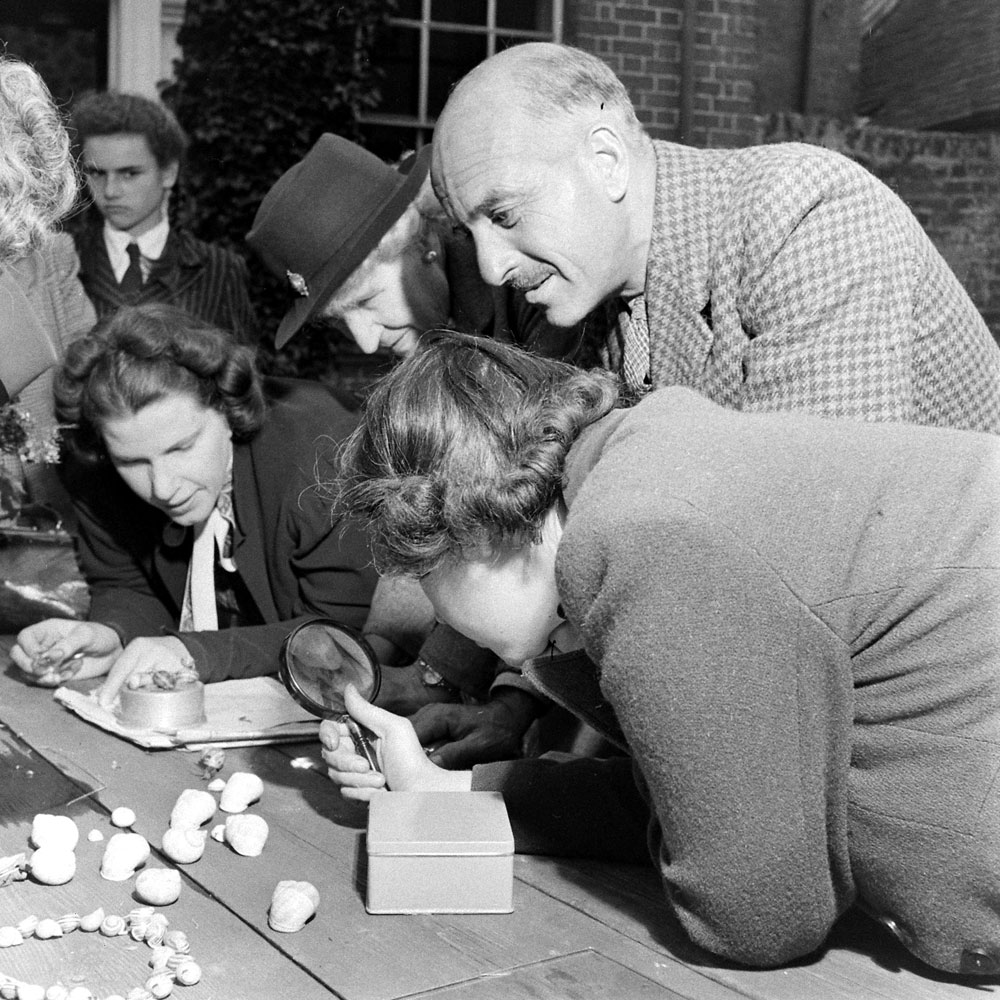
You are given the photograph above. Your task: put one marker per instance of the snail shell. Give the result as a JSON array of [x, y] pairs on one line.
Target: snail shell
[[58, 992], [48, 928], [95, 836], [160, 984], [159, 886], [10, 936], [159, 957], [194, 806], [69, 922], [216, 784], [27, 926], [54, 831], [241, 789], [113, 925], [92, 921], [124, 853], [292, 904], [188, 972], [177, 941], [52, 865], [184, 844], [246, 834], [122, 816], [155, 930]]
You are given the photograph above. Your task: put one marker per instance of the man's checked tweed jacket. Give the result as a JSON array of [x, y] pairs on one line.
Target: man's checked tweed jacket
[[787, 277], [207, 280]]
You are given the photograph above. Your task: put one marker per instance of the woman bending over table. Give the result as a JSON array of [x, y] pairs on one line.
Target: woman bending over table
[[791, 623], [201, 534]]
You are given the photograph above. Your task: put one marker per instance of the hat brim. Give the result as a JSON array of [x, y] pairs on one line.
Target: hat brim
[[340, 267]]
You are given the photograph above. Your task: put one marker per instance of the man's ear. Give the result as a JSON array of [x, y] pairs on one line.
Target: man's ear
[[610, 158], [170, 173]]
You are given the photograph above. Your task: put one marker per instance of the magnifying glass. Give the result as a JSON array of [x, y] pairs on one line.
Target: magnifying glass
[[319, 658]]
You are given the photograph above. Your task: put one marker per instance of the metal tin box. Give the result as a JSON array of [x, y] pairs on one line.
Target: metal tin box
[[440, 852]]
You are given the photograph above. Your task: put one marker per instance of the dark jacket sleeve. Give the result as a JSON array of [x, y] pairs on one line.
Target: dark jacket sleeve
[[116, 532]]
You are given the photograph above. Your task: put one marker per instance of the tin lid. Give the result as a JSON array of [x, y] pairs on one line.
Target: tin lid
[[435, 823]]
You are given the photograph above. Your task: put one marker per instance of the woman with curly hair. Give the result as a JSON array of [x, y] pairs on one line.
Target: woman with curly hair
[[791, 624], [201, 536]]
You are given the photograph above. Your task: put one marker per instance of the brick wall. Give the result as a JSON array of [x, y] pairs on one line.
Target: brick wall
[[950, 181], [933, 64]]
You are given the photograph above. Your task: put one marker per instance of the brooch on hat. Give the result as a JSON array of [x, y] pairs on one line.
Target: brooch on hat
[[298, 283]]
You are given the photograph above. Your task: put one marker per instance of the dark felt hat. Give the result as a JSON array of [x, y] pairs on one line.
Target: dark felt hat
[[324, 216]]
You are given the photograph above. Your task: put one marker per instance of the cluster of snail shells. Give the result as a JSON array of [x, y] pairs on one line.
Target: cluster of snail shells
[[53, 862], [123, 855], [292, 904], [170, 960]]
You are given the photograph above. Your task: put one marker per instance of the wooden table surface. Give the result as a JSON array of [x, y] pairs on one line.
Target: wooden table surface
[[579, 930]]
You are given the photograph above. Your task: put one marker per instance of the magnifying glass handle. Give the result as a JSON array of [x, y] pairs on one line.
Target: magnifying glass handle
[[362, 737]]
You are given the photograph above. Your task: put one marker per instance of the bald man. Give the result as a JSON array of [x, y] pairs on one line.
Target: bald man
[[769, 278]]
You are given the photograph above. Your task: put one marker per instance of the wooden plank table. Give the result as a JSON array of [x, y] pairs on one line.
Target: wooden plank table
[[579, 929]]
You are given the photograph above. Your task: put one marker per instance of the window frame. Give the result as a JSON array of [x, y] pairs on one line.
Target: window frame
[[421, 125]]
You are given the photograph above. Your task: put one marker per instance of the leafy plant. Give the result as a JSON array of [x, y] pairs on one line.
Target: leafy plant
[[259, 82]]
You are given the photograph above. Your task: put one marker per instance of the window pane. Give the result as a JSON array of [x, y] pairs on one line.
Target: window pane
[[408, 8], [399, 59], [389, 142], [453, 54], [461, 11], [525, 15]]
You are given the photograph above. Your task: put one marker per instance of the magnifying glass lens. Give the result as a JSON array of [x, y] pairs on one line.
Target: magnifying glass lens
[[318, 660]]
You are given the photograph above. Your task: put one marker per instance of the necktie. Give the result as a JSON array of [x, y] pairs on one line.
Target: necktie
[[635, 331], [212, 539], [131, 283]]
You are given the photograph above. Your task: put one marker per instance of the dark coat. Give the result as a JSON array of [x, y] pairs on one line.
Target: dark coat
[[289, 552], [204, 279]]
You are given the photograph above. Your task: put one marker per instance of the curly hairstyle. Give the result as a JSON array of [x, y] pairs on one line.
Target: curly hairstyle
[[140, 354], [38, 180], [112, 113], [461, 449]]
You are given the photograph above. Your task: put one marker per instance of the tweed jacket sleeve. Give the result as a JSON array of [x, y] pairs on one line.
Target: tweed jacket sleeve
[[788, 277]]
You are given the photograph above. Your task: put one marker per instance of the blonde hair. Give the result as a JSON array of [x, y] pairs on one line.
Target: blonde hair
[[38, 180]]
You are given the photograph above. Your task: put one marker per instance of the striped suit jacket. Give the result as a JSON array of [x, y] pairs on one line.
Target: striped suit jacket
[[787, 277], [207, 280]]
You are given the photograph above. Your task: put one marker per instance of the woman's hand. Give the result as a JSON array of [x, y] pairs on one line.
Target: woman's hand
[[56, 650], [140, 659], [404, 764]]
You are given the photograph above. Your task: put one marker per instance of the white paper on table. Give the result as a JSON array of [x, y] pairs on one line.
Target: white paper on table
[[248, 712]]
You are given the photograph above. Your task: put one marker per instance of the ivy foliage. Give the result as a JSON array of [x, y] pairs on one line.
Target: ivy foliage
[[258, 83]]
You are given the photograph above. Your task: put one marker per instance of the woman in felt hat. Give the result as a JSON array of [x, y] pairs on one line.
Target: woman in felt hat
[[789, 622], [367, 247]]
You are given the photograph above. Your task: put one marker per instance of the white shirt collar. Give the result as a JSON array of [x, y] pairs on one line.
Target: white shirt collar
[[151, 245]]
